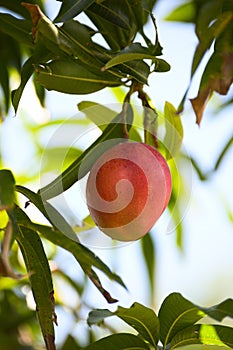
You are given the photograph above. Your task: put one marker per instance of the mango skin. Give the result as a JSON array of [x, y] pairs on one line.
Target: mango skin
[[128, 189]]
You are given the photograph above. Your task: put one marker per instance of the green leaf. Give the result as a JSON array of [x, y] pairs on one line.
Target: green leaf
[[149, 250], [27, 71], [39, 54], [97, 113], [121, 341], [175, 314], [220, 311], [16, 6], [161, 65], [40, 279], [133, 52], [72, 77], [118, 13], [176, 217], [137, 69], [141, 13], [85, 257], [174, 131], [212, 335], [72, 8], [7, 190], [70, 343], [50, 213], [59, 158], [183, 13], [17, 28], [4, 81], [138, 316], [207, 33], [223, 153], [80, 167], [115, 35]]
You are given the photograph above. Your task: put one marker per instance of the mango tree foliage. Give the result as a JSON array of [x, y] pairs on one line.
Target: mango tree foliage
[[65, 55]]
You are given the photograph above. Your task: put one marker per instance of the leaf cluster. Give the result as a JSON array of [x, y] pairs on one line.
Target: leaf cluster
[[178, 324], [213, 21], [65, 55]]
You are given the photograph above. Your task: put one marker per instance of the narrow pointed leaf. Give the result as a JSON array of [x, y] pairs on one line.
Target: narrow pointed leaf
[[39, 54], [97, 113], [133, 52], [85, 257], [183, 13], [114, 131], [121, 341], [213, 335], [72, 8], [50, 213], [7, 189], [149, 252], [118, 13], [115, 21], [174, 131], [40, 279], [223, 153]]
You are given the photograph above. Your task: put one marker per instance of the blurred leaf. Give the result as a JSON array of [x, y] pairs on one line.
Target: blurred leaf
[[16, 6], [89, 221], [7, 189], [3, 219], [177, 218], [40, 279], [59, 158], [17, 28], [4, 82], [176, 313], [218, 76], [183, 13], [220, 336], [70, 344], [97, 113], [211, 23], [138, 316], [120, 341], [174, 131], [80, 167], [223, 153], [149, 250], [72, 77], [72, 8]]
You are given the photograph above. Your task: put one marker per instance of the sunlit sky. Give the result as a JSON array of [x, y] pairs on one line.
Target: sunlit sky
[[203, 271]]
